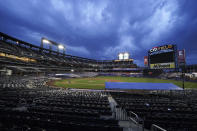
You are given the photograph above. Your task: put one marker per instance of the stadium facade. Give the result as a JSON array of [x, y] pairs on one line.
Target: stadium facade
[[18, 56]]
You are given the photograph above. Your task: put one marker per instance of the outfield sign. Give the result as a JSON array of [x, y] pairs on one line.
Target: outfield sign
[[181, 57], [146, 60], [160, 48], [162, 65]]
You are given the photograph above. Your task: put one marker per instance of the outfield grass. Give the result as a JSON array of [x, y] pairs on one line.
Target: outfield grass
[[99, 82]]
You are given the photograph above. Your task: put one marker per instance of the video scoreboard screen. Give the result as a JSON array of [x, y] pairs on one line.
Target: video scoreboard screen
[[162, 57]]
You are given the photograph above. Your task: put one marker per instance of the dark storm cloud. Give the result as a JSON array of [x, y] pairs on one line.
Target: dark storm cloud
[[101, 29], [185, 31]]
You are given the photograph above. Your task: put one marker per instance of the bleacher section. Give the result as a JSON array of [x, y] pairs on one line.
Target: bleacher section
[[173, 111], [28, 104]]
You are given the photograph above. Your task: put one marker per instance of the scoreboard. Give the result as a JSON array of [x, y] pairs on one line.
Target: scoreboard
[[162, 57]]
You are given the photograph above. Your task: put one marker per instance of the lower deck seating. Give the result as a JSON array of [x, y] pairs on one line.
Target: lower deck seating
[[165, 111], [53, 109]]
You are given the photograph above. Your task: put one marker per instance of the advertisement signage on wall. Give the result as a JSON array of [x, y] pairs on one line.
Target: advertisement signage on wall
[[161, 49], [25, 59], [181, 57], [162, 65], [146, 60]]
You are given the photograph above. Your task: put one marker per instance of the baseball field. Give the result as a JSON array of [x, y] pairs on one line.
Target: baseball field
[[99, 82]]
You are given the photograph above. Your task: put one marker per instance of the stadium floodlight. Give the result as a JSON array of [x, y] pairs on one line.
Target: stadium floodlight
[[120, 56], [46, 41], [126, 56], [60, 46], [52, 43]]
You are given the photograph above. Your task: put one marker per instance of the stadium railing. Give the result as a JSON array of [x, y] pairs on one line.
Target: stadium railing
[[166, 109], [133, 117], [156, 128]]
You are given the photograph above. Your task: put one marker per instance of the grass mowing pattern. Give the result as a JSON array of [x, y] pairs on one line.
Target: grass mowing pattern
[[99, 82]]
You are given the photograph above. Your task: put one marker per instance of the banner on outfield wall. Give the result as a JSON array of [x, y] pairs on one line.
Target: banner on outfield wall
[[181, 56], [146, 60], [162, 65]]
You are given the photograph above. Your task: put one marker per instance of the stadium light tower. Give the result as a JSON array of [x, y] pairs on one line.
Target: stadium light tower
[[61, 47], [44, 40], [50, 42]]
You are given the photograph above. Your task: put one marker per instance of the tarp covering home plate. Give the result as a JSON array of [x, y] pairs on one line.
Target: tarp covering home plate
[[140, 86]]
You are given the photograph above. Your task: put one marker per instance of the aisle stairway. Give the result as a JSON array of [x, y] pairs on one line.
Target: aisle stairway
[[120, 115]]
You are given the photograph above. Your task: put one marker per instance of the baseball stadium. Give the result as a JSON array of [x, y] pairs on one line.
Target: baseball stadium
[[47, 90], [98, 65]]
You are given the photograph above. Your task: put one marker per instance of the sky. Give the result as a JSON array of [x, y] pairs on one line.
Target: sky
[[100, 29]]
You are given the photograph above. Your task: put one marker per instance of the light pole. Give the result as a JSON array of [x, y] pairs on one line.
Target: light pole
[[61, 47], [50, 42], [183, 77]]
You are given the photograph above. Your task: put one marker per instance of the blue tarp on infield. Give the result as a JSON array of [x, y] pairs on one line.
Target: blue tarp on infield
[[140, 86]]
